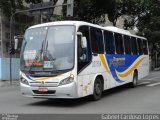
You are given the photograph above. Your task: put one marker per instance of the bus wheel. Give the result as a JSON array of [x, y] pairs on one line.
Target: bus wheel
[[135, 80], [98, 89]]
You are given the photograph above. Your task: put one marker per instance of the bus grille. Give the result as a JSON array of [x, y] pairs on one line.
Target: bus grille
[[44, 84], [48, 92]]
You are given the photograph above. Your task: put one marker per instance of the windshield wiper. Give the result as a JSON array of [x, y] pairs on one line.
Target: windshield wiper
[[39, 53], [50, 57], [47, 54]]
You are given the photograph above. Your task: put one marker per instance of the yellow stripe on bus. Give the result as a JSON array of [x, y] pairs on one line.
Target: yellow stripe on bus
[[122, 75], [104, 62]]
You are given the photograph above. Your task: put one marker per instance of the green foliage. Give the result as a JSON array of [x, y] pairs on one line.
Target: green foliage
[[149, 23], [86, 10], [94, 11], [8, 6]]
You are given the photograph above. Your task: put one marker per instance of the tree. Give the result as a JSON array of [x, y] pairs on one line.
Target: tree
[[149, 26], [85, 10], [95, 11], [9, 6], [90, 10]]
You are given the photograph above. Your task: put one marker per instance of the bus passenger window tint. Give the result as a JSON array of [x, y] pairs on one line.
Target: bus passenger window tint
[[140, 46], [119, 43], [127, 44], [93, 41], [109, 42], [134, 45], [145, 49], [97, 41]]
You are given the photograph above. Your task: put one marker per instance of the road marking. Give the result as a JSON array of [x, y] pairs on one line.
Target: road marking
[[155, 77], [150, 78], [143, 83], [154, 84], [146, 79]]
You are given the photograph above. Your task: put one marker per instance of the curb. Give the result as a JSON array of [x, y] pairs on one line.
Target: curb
[[6, 83]]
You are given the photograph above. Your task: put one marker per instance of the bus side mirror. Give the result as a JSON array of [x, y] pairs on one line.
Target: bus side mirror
[[15, 43], [84, 42], [82, 39]]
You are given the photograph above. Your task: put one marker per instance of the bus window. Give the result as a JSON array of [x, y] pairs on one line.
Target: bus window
[[109, 42], [134, 46], [127, 44], [140, 46], [145, 48], [84, 55], [97, 40], [119, 43]]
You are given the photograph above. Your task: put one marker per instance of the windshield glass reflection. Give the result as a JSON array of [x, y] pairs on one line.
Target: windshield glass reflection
[[48, 49]]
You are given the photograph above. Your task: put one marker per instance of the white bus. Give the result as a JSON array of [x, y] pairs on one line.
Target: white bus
[[73, 59]]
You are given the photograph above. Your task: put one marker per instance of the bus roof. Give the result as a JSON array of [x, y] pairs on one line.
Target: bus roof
[[78, 23], [121, 31], [117, 30]]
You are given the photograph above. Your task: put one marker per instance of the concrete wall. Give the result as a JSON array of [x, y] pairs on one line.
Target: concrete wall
[[5, 68]]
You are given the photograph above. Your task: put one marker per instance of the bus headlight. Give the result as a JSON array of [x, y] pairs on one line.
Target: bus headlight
[[67, 81], [24, 81]]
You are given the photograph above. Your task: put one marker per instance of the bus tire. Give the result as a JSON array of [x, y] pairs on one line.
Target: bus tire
[[98, 89], [135, 80]]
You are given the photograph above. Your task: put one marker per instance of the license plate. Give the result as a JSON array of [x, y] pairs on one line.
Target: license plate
[[48, 64], [43, 89]]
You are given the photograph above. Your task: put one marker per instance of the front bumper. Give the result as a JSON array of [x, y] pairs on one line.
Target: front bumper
[[64, 91]]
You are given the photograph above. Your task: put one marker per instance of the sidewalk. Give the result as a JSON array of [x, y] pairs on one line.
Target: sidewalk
[[6, 83]]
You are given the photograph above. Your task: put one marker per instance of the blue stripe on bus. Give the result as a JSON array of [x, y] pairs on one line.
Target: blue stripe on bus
[[120, 63]]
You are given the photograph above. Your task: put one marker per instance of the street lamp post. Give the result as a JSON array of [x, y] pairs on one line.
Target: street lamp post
[[11, 47]]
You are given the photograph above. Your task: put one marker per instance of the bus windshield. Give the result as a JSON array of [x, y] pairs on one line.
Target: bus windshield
[[48, 49]]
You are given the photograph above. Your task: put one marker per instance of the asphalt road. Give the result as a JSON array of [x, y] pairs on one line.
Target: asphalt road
[[145, 98]]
